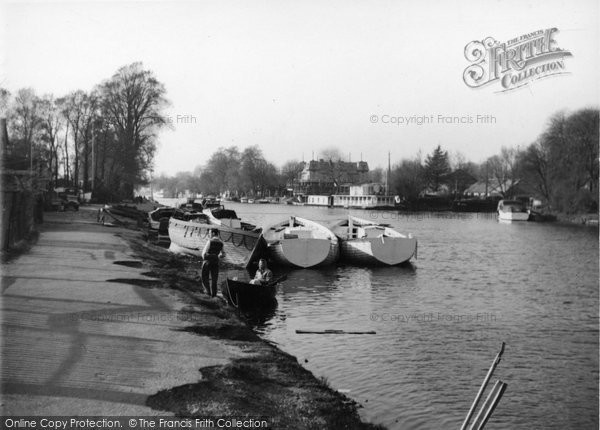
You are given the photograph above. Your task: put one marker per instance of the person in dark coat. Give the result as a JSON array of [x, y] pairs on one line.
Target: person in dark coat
[[213, 250]]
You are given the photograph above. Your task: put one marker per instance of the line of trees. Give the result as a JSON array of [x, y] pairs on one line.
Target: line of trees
[[230, 171], [101, 141], [563, 162], [560, 167], [104, 141]]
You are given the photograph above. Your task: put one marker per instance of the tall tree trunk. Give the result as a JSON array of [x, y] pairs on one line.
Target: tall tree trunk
[[104, 155], [56, 165], [95, 158], [76, 161], [85, 159], [67, 155]]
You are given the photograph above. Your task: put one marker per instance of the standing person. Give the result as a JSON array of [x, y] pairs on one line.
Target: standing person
[[210, 266], [263, 274]]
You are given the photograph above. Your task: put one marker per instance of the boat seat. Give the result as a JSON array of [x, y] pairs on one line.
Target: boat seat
[[354, 233], [300, 233], [374, 231]]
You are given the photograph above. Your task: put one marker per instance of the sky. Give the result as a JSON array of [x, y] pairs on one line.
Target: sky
[[298, 77]]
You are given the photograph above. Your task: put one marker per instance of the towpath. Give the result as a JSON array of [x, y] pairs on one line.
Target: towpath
[[82, 332]]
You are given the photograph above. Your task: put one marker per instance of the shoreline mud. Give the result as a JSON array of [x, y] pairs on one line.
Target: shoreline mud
[[267, 383]]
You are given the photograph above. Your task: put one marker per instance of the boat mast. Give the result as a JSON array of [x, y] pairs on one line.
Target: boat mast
[[387, 176]]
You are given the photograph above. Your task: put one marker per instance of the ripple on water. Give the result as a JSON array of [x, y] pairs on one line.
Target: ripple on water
[[440, 322]]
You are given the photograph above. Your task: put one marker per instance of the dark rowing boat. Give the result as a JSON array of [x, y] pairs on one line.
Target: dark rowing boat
[[245, 295]]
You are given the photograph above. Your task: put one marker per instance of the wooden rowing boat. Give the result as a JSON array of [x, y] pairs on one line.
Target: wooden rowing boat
[[245, 295], [302, 243], [189, 232], [371, 243]]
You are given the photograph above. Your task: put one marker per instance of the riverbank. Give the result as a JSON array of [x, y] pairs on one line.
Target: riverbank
[[590, 220], [99, 322], [268, 383]]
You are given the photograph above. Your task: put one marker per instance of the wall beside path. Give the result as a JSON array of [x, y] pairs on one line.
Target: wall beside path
[[22, 208]]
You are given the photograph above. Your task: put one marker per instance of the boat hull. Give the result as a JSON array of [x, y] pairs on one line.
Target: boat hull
[[513, 216], [190, 237], [366, 242], [304, 253], [155, 216], [299, 242], [245, 295], [388, 251]]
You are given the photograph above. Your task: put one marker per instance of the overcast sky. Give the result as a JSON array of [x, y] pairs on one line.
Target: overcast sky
[[299, 76]]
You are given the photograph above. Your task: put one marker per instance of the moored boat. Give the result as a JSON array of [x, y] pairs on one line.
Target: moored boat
[[155, 216], [127, 211], [245, 295], [189, 232], [541, 217], [367, 242], [226, 217], [191, 206], [302, 243], [512, 210]]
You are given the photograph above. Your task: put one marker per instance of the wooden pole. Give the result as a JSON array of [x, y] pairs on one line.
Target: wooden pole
[[486, 405], [329, 331], [492, 406], [482, 388]]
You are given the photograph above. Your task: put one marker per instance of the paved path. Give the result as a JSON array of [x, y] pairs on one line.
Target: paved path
[[75, 342]]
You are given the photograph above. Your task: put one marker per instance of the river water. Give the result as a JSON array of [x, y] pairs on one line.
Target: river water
[[440, 321]]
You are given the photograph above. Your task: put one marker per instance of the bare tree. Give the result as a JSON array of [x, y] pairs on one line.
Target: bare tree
[[51, 123], [290, 171], [503, 168], [408, 178], [4, 102], [536, 169], [74, 109], [334, 170], [133, 100], [25, 122]]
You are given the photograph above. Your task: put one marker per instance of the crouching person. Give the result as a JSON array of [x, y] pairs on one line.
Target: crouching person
[[263, 274]]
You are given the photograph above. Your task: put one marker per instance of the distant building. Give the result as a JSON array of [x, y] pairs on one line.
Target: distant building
[[371, 189], [330, 177], [493, 188]]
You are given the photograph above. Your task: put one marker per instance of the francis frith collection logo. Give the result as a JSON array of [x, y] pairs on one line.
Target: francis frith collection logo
[[515, 63]]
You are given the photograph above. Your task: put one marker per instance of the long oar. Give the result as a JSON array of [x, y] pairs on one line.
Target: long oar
[[482, 389]]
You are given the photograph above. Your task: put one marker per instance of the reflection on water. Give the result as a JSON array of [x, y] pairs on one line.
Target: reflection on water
[[440, 321]]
